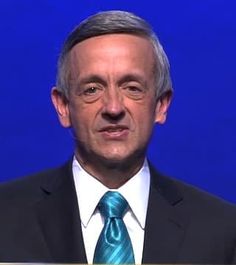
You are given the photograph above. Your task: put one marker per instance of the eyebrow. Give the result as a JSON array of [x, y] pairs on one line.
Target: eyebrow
[[90, 79], [93, 78], [132, 77]]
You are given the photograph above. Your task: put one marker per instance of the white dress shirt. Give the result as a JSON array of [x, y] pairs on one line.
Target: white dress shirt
[[89, 192]]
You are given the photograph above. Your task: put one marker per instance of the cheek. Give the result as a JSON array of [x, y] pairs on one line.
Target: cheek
[[145, 113], [82, 118], [78, 118], [143, 128]]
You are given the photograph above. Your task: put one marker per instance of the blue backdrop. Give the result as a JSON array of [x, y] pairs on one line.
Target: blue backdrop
[[198, 142]]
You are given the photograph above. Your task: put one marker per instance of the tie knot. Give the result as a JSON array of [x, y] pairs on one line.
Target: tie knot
[[112, 204]]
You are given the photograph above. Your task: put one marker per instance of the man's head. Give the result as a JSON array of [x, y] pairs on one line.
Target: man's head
[[112, 22], [113, 85]]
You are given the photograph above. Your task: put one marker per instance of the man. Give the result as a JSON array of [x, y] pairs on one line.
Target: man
[[113, 85]]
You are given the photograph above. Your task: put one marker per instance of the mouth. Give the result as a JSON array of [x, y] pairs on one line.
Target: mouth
[[113, 128], [114, 131]]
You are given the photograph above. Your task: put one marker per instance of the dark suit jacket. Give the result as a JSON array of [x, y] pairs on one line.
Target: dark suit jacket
[[40, 222]]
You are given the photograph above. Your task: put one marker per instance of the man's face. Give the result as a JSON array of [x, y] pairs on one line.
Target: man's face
[[111, 104]]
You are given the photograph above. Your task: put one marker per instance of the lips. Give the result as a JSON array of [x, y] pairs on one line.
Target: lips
[[113, 128], [114, 131]]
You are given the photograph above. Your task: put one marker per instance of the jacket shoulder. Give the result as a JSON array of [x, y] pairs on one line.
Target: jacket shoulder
[[31, 186], [191, 199]]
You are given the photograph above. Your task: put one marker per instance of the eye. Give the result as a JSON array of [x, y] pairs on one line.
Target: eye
[[91, 93], [90, 90], [134, 91]]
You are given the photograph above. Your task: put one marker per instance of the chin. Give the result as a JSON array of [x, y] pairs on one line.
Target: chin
[[115, 158], [120, 158], [116, 154]]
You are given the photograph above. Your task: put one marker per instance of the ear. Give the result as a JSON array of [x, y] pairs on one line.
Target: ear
[[162, 106], [61, 106]]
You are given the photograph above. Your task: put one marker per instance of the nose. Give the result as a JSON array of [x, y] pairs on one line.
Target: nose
[[113, 105]]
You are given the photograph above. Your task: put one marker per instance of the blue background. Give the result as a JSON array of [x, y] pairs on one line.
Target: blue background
[[198, 142]]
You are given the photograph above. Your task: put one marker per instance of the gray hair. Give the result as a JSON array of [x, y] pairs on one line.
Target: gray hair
[[111, 22]]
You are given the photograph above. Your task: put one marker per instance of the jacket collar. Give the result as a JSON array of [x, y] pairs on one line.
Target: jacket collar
[[58, 216], [59, 219]]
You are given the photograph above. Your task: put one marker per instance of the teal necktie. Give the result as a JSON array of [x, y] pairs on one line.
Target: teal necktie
[[114, 244]]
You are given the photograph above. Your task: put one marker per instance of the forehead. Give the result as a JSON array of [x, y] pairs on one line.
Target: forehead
[[112, 51]]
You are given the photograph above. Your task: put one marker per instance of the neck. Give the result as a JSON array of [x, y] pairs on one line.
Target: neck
[[112, 174]]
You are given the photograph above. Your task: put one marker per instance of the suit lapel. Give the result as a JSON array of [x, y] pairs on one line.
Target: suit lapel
[[59, 221], [58, 217], [164, 232]]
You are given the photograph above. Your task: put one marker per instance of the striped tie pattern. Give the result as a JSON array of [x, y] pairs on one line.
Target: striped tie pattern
[[114, 244]]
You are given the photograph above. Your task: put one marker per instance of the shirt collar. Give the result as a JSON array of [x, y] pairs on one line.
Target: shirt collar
[[89, 192], [136, 192]]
